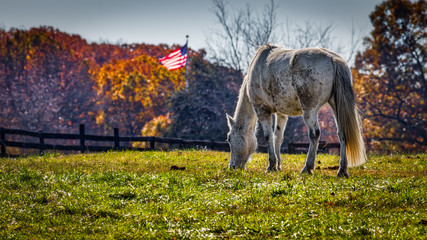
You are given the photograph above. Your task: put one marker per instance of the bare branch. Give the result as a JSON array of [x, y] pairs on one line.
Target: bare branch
[[242, 32], [355, 42]]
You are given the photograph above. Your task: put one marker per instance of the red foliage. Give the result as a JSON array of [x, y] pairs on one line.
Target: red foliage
[[53, 81]]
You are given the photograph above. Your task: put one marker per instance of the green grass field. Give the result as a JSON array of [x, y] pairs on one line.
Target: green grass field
[[136, 195]]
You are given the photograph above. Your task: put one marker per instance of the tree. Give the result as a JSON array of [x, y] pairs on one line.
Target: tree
[[391, 77], [49, 81], [134, 91], [45, 81], [200, 112], [241, 33]]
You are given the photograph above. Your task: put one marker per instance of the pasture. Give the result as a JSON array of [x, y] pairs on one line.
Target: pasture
[[149, 195]]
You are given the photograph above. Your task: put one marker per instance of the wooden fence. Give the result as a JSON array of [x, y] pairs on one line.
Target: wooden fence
[[323, 147], [116, 139]]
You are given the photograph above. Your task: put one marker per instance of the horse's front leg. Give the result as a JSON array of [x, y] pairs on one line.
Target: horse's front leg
[[265, 119], [310, 119], [281, 121]]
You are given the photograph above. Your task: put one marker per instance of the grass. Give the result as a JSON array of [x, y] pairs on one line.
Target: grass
[[136, 195]]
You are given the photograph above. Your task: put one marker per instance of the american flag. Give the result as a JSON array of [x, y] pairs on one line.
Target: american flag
[[176, 59]]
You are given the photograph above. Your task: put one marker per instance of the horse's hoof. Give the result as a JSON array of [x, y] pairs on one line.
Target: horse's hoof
[[342, 174], [308, 171], [235, 167], [272, 169]]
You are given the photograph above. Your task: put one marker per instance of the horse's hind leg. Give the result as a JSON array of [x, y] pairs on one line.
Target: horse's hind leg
[[310, 119], [279, 129]]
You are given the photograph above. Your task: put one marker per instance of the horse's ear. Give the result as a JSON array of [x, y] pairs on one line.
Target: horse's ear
[[230, 121]]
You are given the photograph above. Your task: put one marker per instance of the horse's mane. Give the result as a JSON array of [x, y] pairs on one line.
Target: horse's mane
[[242, 94], [261, 53]]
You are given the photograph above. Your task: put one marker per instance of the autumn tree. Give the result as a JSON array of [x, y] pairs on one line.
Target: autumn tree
[[199, 113], [391, 77], [133, 92], [44, 80]]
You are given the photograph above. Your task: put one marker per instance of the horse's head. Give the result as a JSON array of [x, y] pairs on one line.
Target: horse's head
[[242, 144]]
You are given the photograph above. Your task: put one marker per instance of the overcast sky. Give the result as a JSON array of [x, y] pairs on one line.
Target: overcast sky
[[168, 21]]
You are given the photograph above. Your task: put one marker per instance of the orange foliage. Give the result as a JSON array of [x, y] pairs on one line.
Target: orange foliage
[[157, 127], [134, 91], [53, 81], [390, 78]]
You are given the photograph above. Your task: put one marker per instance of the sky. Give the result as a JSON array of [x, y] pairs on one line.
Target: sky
[[169, 21]]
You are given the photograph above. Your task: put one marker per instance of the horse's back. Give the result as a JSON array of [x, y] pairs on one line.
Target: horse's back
[[270, 84], [289, 81], [312, 72]]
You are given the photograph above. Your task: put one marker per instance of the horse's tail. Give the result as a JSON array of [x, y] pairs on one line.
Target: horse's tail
[[348, 120]]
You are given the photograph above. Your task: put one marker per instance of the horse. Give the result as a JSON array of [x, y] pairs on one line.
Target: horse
[[284, 82]]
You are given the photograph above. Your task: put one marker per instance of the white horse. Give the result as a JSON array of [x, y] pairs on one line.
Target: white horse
[[290, 83]]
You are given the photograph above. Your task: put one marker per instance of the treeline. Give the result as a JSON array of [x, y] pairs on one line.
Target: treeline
[[390, 77], [52, 81]]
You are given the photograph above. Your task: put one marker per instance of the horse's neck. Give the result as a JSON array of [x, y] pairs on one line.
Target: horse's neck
[[244, 116]]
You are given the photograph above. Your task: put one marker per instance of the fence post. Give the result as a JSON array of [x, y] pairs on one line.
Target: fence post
[[152, 143], [116, 139], [3, 142], [291, 147], [212, 145], [41, 141], [82, 138], [181, 143]]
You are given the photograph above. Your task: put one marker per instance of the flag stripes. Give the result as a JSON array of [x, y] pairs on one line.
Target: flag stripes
[[176, 59]]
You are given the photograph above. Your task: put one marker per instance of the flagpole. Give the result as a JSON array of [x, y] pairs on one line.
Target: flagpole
[[186, 66]]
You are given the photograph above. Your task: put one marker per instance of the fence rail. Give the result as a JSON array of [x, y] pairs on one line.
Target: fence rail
[[116, 140]]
